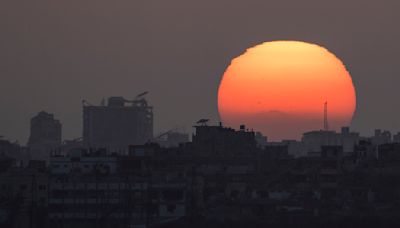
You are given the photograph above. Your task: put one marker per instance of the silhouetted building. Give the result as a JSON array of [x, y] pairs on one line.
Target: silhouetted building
[[381, 137], [389, 153], [222, 141], [69, 145], [14, 151], [44, 130], [314, 140], [82, 161], [261, 139], [276, 150], [295, 148], [396, 138], [221, 176], [89, 188], [45, 136], [6, 163], [23, 197], [366, 150], [119, 124], [331, 151], [9, 149]]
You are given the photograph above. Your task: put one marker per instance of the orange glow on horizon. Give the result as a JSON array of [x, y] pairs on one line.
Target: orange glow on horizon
[[284, 84]]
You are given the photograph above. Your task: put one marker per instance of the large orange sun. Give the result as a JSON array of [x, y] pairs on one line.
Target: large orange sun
[[279, 88]]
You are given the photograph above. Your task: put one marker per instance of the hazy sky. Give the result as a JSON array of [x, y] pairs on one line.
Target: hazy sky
[[55, 53]]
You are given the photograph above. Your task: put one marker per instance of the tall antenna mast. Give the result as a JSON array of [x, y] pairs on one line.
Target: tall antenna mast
[[326, 126]]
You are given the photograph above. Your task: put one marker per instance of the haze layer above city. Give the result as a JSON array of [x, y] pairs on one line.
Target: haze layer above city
[[54, 54]]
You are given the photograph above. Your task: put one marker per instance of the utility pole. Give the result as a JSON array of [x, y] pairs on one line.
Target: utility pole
[[326, 126]]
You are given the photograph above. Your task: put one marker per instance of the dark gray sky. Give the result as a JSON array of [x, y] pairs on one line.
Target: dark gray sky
[[55, 53]]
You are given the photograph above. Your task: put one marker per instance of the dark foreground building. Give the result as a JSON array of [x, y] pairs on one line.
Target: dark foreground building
[[221, 179]]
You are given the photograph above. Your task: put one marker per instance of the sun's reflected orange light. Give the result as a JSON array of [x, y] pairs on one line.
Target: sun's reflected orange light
[[279, 88]]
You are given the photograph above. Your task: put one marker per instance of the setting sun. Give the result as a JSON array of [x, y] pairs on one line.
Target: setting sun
[[279, 88]]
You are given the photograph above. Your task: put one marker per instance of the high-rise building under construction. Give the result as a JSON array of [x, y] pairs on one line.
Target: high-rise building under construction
[[118, 124]]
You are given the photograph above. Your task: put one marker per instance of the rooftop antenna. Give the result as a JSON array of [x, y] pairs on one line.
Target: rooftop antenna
[[326, 126]]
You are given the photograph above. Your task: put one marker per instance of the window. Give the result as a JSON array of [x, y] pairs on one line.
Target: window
[[42, 201], [171, 208], [42, 187], [23, 187]]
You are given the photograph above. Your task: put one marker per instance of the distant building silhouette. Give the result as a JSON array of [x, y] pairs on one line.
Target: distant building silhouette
[[9, 149], [314, 140], [44, 129], [222, 141], [261, 139], [381, 137], [118, 124], [396, 137], [45, 136]]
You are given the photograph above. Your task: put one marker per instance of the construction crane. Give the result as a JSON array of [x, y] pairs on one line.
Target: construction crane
[[140, 95], [86, 103], [139, 100], [165, 133], [203, 122]]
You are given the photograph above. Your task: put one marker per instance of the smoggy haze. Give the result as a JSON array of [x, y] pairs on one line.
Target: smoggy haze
[[55, 53]]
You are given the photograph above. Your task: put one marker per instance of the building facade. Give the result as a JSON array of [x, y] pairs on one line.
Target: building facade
[[117, 125], [45, 136], [45, 129]]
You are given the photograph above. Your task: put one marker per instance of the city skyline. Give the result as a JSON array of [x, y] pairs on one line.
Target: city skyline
[[228, 113], [98, 49], [100, 121], [223, 177]]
